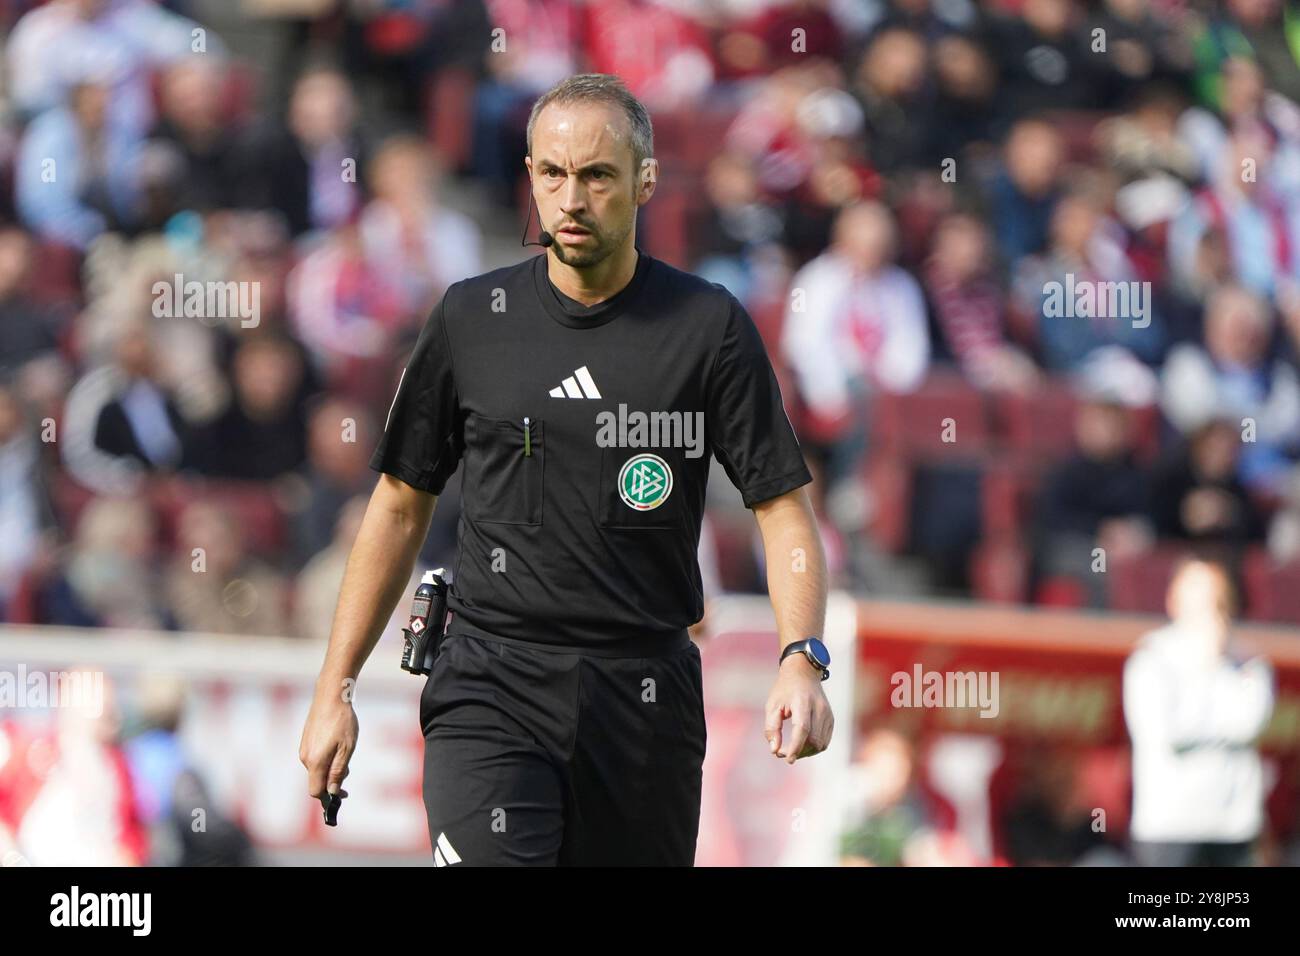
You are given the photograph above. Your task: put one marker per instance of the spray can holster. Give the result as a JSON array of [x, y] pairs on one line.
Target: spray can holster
[[422, 638]]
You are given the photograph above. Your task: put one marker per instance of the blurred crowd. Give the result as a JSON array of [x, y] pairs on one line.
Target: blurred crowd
[[893, 189]]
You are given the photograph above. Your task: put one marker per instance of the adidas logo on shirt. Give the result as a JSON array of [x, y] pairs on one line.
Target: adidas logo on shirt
[[444, 854], [578, 385]]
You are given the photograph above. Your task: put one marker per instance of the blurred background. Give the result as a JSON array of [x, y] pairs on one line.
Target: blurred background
[[179, 487]]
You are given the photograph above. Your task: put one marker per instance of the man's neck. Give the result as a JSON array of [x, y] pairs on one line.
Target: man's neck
[[597, 283]]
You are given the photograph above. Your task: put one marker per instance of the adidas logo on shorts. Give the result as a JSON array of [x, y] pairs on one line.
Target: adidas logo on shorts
[[444, 854]]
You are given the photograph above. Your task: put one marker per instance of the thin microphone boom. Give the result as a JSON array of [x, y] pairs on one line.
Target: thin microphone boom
[[545, 239]]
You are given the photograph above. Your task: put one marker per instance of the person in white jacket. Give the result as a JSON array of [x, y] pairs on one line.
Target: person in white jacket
[[1195, 705], [855, 324]]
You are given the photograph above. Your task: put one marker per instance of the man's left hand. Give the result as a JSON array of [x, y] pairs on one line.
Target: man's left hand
[[797, 696]]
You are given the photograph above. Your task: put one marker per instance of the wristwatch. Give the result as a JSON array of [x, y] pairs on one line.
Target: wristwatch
[[814, 650]]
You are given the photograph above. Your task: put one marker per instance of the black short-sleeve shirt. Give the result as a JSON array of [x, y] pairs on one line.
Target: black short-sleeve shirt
[[586, 434]]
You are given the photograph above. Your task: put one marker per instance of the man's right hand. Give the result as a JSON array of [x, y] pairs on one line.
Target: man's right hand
[[328, 741]]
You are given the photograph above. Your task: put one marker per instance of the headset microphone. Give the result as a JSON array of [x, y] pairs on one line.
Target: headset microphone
[[545, 239]]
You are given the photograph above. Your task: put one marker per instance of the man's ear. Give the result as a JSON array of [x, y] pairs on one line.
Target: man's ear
[[647, 177]]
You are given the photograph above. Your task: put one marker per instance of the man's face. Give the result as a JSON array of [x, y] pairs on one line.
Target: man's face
[[1200, 597], [586, 190]]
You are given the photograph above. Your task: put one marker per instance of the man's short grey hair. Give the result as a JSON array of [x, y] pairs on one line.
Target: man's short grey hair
[[606, 88]]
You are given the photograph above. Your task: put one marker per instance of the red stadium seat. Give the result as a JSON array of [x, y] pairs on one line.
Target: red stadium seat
[[1038, 427], [1061, 590], [999, 570], [890, 484], [914, 425], [1272, 591], [1138, 584], [55, 274], [1007, 491], [252, 505]]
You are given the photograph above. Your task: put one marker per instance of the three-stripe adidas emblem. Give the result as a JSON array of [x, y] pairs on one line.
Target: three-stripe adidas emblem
[[444, 854], [578, 385]]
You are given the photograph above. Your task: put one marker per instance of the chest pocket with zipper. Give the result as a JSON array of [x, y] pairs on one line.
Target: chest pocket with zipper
[[504, 460]]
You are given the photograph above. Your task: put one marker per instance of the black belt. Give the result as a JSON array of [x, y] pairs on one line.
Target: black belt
[[649, 645]]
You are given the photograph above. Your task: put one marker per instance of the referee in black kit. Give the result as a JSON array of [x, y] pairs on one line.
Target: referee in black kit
[[585, 391]]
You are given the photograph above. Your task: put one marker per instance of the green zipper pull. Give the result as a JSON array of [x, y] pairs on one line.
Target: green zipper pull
[[528, 439]]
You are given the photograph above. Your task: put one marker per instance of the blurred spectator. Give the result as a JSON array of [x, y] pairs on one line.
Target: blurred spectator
[[1196, 494], [309, 167], [340, 437], [343, 306], [774, 127], [889, 83], [773, 28], [1023, 191], [1086, 252], [1044, 57], [1097, 498], [1243, 31], [122, 420], [662, 54], [1143, 142], [855, 323], [1284, 529], [77, 807], [28, 329], [210, 167], [396, 47], [24, 510], [418, 245], [968, 307], [1142, 46], [1232, 375], [1267, 26], [1050, 823], [169, 792], [888, 810], [316, 592], [1195, 701], [55, 42], [542, 44], [220, 588], [76, 175], [830, 131], [108, 575], [765, 40], [1259, 222], [262, 433], [965, 108], [732, 224]]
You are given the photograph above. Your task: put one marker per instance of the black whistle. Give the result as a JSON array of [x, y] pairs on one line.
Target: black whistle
[[331, 803]]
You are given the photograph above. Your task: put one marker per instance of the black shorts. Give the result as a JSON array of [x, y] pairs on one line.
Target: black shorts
[[547, 757]]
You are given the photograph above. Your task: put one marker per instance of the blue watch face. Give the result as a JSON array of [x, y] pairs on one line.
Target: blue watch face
[[819, 651]]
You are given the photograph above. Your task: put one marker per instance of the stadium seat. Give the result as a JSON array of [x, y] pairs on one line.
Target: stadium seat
[[1272, 591], [1037, 427], [1000, 570], [1137, 584], [914, 425]]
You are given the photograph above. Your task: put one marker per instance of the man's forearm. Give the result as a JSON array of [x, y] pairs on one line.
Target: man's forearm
[[796, 566], [378, 571]]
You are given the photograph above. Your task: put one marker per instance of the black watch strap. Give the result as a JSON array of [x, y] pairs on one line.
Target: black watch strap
[[801, 647]]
